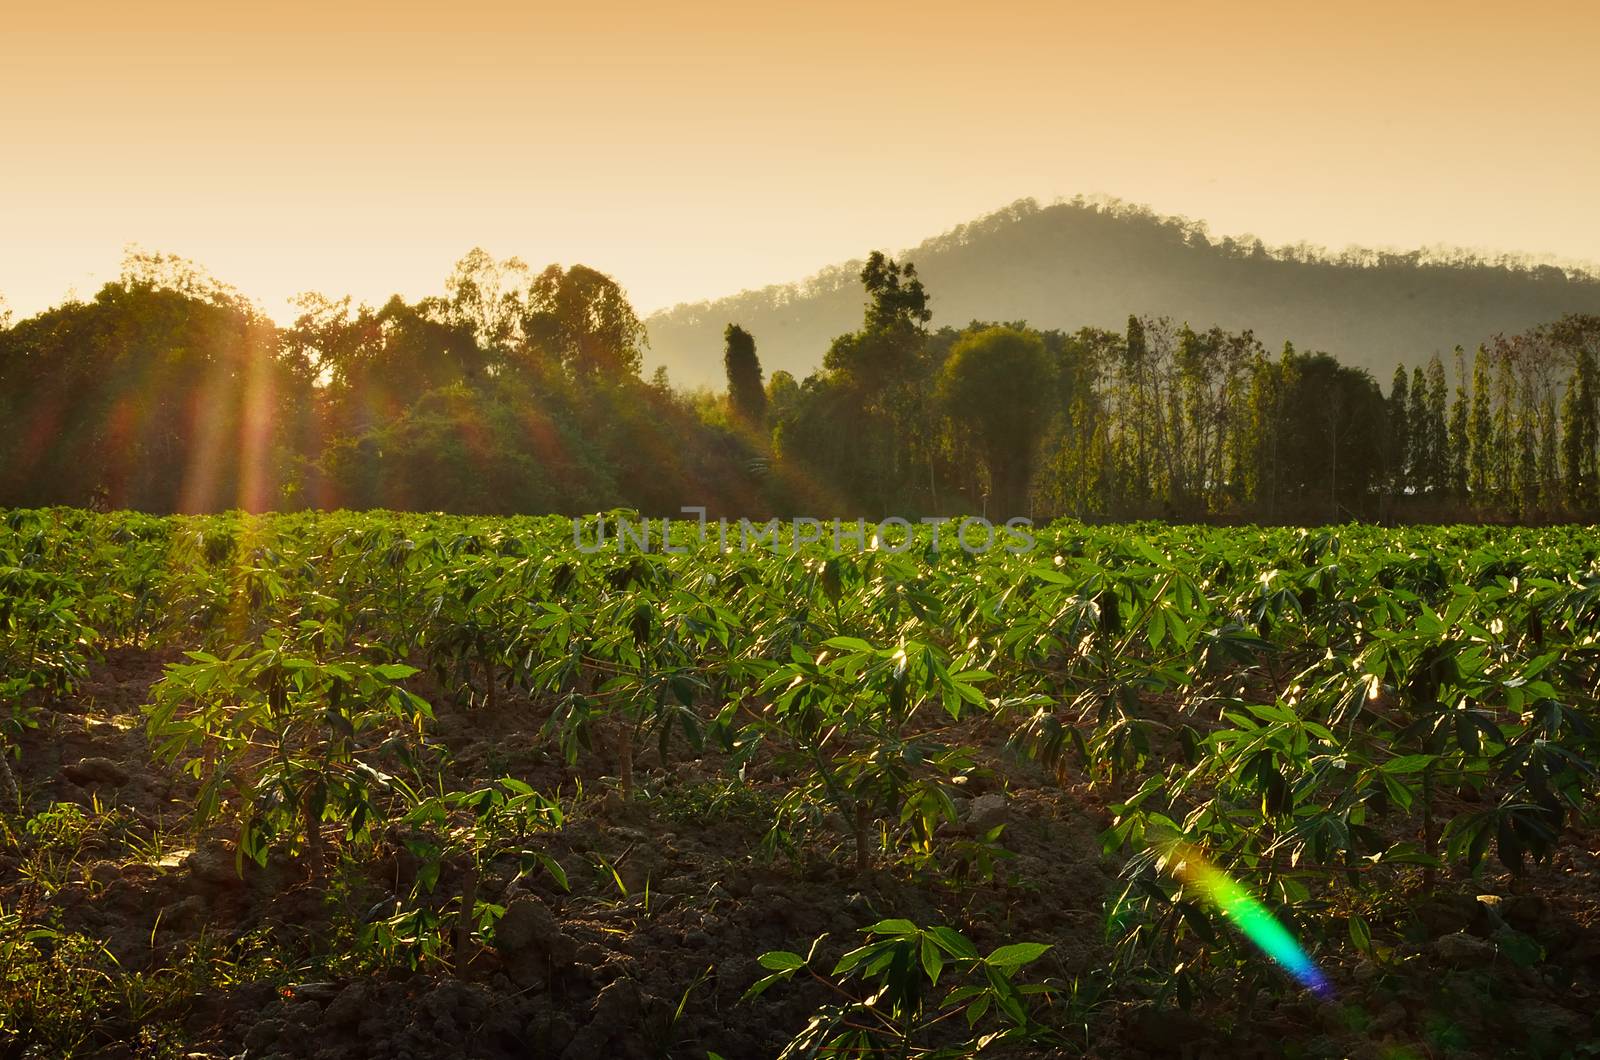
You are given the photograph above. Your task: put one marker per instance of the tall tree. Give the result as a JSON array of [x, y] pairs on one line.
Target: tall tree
[[1504, 461], [1135, 404], [489, 298], [892, 330], [1550, 499], [1076, 471], [781, 393], [581, 319], [1262, 454], [1211, 373], [1580, 433], [895, 296], [1398, 409], [1527, 454], [879, 373], [996, 385], [746, 392], [1421, 436], [1320, 452], [1460, 433], [1480, 430], [1440, 457]]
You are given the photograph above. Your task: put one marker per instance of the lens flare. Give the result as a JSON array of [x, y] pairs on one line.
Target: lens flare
[[1248, 915]]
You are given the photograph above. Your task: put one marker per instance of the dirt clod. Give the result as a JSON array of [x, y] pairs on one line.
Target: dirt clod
[[89, 772], [1462, 948]]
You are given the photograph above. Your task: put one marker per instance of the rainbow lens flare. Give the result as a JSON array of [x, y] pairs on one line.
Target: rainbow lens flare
[[1248, 915]]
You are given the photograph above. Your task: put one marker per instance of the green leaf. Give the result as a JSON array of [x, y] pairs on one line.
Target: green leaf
[[555, 870], [1402, 795], [759, 987], [1360, 934], [932, 960], [953, 942], [900, 928], [1408, 764], [960, 994], [1156, 628], [781, 961], [1016, 954]]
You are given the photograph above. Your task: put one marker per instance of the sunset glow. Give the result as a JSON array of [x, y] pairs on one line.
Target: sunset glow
[[693, 150]]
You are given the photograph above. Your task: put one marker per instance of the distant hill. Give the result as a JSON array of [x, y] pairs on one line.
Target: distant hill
[[1079, 263]]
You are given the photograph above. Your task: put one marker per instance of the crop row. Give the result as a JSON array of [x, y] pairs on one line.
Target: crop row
[[1329, 713]]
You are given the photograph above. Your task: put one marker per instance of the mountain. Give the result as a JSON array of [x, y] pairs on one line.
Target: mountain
[[1093, 262]]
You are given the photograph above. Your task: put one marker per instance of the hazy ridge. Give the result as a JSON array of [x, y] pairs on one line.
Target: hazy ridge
[[1093, 262]]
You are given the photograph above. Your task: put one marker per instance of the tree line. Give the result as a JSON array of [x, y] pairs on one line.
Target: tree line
[[515, 391], [1161, 420], [519, 390]]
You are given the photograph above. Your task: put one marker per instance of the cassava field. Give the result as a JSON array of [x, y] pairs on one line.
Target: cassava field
[[370, 784]]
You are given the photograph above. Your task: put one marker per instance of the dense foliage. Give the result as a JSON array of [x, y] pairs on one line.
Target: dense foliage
[[1161, 420], [1335, 717], [513, 392], [520, 392]]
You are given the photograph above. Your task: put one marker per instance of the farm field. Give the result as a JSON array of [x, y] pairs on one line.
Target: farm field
[[378, 784]]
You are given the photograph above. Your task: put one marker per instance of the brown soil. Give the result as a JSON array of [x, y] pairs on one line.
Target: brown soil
[[606, 976]]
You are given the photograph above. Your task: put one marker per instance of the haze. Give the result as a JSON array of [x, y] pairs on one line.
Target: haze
[[696, 149]]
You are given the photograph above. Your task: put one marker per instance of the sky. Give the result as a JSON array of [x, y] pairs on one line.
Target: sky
[[692, 149]]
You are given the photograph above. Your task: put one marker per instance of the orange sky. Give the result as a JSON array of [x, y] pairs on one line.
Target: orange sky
[[692, 148]]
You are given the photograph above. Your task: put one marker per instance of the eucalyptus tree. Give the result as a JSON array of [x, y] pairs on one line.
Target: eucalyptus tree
[[1399, 432]]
